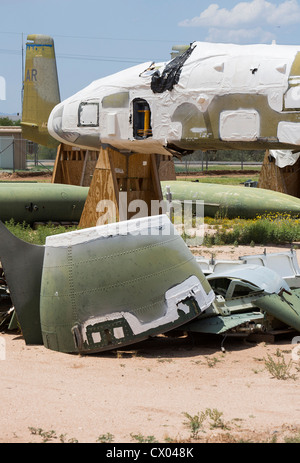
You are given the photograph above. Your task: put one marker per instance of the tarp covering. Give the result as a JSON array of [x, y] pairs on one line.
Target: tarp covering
[[166, 80], [284, 158]]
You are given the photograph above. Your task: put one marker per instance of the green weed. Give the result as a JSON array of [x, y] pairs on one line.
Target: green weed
[[264, 229], [278, 367], [38, 236], [143, 439], [105, 438], [215, 416], [195, 423], [51, 435]]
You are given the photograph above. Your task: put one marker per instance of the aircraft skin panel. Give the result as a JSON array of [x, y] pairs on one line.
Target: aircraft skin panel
[[284, 307], [96, 289], [232, 201], [212, 96], [22, 263], [220, 324], [41, 202], [118, 288]]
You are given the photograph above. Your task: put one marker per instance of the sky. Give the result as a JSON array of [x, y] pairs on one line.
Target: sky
[[96, 38]]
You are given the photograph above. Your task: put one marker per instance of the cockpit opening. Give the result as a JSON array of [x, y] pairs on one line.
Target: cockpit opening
[[141, 119]]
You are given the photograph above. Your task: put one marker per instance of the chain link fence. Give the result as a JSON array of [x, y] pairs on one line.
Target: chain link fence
[[17, 153]]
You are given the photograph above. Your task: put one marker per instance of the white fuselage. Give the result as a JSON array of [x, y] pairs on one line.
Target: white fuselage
[[225, 96]]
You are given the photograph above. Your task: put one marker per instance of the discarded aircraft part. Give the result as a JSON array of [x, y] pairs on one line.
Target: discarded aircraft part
[[13, 324], [284, 307], [5, 300], [247, 277], [22, 263], [210, 97], [8, 318], [232, 201], [41, 89], [234, 312], [248, 298], [209, 266], [284, 263], [116, 284], [245, 323], [41, 202]]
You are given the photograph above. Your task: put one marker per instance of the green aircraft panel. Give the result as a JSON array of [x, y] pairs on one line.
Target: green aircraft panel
[[232, 201], [220, 324], [34, 202], [97, 289], [285, 307], [41, 202], [23, 265]]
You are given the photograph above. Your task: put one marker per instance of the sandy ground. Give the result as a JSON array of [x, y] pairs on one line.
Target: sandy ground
[[41, 176], [146, 389]]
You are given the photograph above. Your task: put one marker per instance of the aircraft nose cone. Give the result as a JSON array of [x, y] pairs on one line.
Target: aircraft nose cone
[[55, 126], [55, 121]]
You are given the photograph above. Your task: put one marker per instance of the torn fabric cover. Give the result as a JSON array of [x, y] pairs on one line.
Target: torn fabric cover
[[284, 158], [171, 74]]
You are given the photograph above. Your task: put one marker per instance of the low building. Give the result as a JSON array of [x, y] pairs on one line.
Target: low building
[[12, 148]]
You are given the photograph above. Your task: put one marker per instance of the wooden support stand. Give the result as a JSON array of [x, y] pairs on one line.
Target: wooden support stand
[[285, 180], [74, 166], [115, 174], [108, 173]]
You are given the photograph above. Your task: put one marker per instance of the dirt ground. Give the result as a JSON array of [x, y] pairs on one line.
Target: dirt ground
[[142, 392], [33, 176], [219, 172]]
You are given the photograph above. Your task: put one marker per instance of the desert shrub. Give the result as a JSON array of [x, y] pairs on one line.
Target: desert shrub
[[36, 236], [267, 229]]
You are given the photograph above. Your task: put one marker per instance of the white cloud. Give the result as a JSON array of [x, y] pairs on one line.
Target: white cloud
[[285, 13], [247, 13], [255, 35]]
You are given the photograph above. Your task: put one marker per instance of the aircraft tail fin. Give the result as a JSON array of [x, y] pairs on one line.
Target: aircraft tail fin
[[22, 264], [41, 89]]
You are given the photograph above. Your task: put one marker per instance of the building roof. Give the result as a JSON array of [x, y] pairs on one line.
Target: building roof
[[10, 129]]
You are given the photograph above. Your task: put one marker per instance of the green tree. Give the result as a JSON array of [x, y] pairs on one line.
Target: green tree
[[6, 121]]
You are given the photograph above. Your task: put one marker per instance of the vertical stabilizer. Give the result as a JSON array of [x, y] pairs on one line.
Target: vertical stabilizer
[[41, 89]]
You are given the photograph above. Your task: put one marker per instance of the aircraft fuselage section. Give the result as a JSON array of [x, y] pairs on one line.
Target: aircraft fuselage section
[[213, 96]]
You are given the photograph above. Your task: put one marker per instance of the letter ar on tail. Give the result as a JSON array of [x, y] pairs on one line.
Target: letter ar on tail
[[41, 89]]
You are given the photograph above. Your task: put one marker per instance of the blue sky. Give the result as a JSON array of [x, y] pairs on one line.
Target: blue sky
[[96, 38]]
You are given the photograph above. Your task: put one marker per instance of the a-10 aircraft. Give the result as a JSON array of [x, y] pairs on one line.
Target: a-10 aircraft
[[208, 97]]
